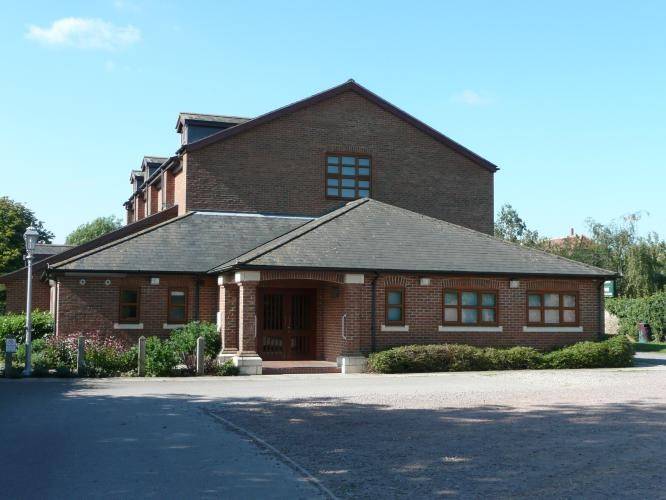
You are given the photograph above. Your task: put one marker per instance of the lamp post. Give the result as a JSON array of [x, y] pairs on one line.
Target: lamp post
[[31, 235]]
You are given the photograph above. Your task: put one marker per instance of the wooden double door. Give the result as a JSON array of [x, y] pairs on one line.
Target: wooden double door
[[286, 323]]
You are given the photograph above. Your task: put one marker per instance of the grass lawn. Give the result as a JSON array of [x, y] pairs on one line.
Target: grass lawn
[[651, 347]]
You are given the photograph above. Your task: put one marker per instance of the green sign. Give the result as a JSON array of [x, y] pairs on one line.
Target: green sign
[[609, 288]]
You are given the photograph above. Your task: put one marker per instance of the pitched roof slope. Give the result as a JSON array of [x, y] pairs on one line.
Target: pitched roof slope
[[192, 243], [105, 239], [45, 249], [370, 235], [350, 85]]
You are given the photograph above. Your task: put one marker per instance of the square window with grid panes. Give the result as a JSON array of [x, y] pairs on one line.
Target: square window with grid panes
[[347, 176], [470, 307], [552, 308]]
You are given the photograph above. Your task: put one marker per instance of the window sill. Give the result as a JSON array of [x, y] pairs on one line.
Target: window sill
[[128, 326], [172, 326], [395, 328], [553, 329], [463, 328]]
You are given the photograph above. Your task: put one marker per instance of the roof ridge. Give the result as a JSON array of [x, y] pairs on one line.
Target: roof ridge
[[495, 238], [293, 234], [113, 243]]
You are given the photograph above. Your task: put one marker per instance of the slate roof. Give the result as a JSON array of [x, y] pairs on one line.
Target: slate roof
[[192, 243], [98, 242], [370, 235], [350, 85], [44, 249]]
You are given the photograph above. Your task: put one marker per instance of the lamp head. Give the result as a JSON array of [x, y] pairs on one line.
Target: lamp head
[[31, 236]]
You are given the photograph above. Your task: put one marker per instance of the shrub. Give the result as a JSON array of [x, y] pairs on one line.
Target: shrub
[[184, 339], [108, 357], [184, 342], [516, 358], [13, 325], [650, 309], [616, 352], [227, 369], [105, 356], [161, 358]]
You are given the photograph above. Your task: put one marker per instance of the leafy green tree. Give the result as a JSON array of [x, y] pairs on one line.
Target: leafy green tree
[[511, 227], [639, 261], [15, 218], [93, 229], [645, 271]]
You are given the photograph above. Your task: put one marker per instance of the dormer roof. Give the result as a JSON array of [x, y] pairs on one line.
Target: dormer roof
[[221, 121]]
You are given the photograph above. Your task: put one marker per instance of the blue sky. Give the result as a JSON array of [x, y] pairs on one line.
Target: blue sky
[[568, 98]]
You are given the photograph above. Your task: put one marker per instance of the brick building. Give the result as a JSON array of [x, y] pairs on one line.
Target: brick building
[[327, 229]]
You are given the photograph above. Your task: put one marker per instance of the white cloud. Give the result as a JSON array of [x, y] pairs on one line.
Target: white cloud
[[472, 98], [83, 33]]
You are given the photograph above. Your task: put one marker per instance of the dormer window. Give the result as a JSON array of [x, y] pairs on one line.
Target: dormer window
[[348, 176]]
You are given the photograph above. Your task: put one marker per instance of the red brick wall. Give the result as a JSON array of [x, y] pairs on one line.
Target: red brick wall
[[423, 311], [330, 309], [154, 204], [410, 169], [16, 294], [140, 207], [179, 190], [94, 305]]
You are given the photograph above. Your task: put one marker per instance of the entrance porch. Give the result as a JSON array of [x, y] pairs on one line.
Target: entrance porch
[[290, 322]]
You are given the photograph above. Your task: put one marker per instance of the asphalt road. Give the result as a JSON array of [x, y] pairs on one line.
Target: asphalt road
[[545, 434], [118, 439]]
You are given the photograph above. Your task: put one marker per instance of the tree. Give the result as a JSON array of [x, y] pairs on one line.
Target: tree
[[15, 218], [511, 227], [93, 229], [639, 261]]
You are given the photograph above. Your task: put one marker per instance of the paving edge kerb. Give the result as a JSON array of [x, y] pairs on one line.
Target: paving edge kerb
[[307, 475]]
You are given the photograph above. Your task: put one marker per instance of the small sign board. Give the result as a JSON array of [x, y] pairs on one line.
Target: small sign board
[[609, 288], [10, 345]]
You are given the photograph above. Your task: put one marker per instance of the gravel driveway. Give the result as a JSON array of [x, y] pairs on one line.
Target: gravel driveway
[[549, 434], [555, 434]]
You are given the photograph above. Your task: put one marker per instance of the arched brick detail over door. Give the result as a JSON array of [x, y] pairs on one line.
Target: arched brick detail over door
[[332, 277]]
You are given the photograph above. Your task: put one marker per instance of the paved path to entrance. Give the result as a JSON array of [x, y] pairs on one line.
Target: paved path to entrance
[[550, 434]]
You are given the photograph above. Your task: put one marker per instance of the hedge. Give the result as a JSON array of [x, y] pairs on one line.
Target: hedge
[[615, 352], [13, 325], [650, 309]]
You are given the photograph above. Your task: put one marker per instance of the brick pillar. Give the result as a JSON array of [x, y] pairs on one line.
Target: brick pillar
[[352, 295], [247, 359], [351, 359], [229, 319], [140, 207], [247, 318], [153, 200], [169, 188]]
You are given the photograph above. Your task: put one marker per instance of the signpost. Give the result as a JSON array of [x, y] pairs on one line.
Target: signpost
[[10, 349]]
